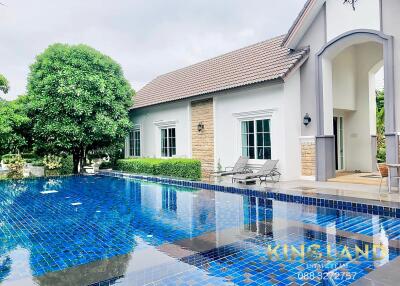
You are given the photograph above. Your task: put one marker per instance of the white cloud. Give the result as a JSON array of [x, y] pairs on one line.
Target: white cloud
[[147, 37]]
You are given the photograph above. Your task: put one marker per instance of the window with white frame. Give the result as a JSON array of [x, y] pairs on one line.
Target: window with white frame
[[256, 139], [168, 142], [134, 142]]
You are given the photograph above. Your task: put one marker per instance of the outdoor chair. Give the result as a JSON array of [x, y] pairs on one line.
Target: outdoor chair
[[239, 168], [384, 173], [267, 170]]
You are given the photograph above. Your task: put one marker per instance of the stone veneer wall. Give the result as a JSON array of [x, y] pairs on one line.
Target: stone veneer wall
[[308, 158], [398, 150], [203, 142]]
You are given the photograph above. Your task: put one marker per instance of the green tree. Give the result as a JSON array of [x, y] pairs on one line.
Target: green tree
[[79, 101], [4, 87], [15, 125], [380, 126]]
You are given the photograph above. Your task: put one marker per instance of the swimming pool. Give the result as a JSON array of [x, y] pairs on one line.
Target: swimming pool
[[98, 230]]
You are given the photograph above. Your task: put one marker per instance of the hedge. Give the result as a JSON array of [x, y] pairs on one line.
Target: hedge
[[28, 157], [67, 165], [38, 163], [180, 168]]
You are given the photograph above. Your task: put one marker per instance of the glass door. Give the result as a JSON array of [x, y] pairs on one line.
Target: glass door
[[339, 142]]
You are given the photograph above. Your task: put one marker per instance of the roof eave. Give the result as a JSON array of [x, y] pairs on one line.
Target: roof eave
[[296, 22], [279, 79], [297, 64], [301, 23]]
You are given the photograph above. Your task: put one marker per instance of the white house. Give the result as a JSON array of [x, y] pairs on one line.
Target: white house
[[306, 98]]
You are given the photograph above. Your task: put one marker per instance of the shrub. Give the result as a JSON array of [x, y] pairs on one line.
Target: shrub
[[58, 165], [28, 156], [106, 165], [8, 158], [181, 168], [38, 163], [52, 162], [381, 155], [52, 165], [16, 167], [67, 165]]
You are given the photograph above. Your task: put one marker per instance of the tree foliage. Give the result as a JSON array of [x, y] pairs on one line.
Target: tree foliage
[[15, 125], [380, 126], [79, 100], [4, 86]]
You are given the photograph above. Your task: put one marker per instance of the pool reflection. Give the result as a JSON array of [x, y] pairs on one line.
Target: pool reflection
[[135, 232]]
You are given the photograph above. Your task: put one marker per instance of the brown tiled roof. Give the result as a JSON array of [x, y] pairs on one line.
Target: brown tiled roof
[[263, 61]]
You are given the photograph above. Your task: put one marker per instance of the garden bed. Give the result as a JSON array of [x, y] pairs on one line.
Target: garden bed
[[179, 168]]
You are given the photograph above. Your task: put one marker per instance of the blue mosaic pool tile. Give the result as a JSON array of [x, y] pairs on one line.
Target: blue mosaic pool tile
[[113, 214], [245, 263], [269, 193]]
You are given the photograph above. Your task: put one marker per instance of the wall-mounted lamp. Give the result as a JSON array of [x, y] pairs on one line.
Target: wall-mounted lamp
[[306, 119], [200, 126]]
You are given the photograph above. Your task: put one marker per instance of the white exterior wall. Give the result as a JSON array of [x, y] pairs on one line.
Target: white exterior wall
[[359, 123], [151, 119], [354, 100], [344, 85], [390, 26], [278, 102], [235, 106], [293, 120], [341, 18], [327, 78], [374, 84]]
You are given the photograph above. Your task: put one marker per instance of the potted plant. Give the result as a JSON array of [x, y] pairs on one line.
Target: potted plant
[[16, 167], [383, 169], [6, 160]]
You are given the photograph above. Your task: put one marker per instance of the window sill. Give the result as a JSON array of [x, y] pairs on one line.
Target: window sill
[[257, 161]]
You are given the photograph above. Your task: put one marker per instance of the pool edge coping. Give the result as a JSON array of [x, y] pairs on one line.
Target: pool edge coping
[[321, 200]]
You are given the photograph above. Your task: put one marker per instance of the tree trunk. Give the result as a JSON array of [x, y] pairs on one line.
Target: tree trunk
[[76, 159], [82, 156]]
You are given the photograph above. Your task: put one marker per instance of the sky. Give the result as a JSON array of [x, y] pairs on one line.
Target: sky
[[146, 37]]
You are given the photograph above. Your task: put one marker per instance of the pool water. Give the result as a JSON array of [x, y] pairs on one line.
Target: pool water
[[97, 230]]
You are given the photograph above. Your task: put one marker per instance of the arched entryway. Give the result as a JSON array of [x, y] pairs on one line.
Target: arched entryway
[[377, 48]]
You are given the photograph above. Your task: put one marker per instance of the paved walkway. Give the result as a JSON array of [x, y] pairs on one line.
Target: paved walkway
[[386, 275], [343, 190], [369, 192]]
